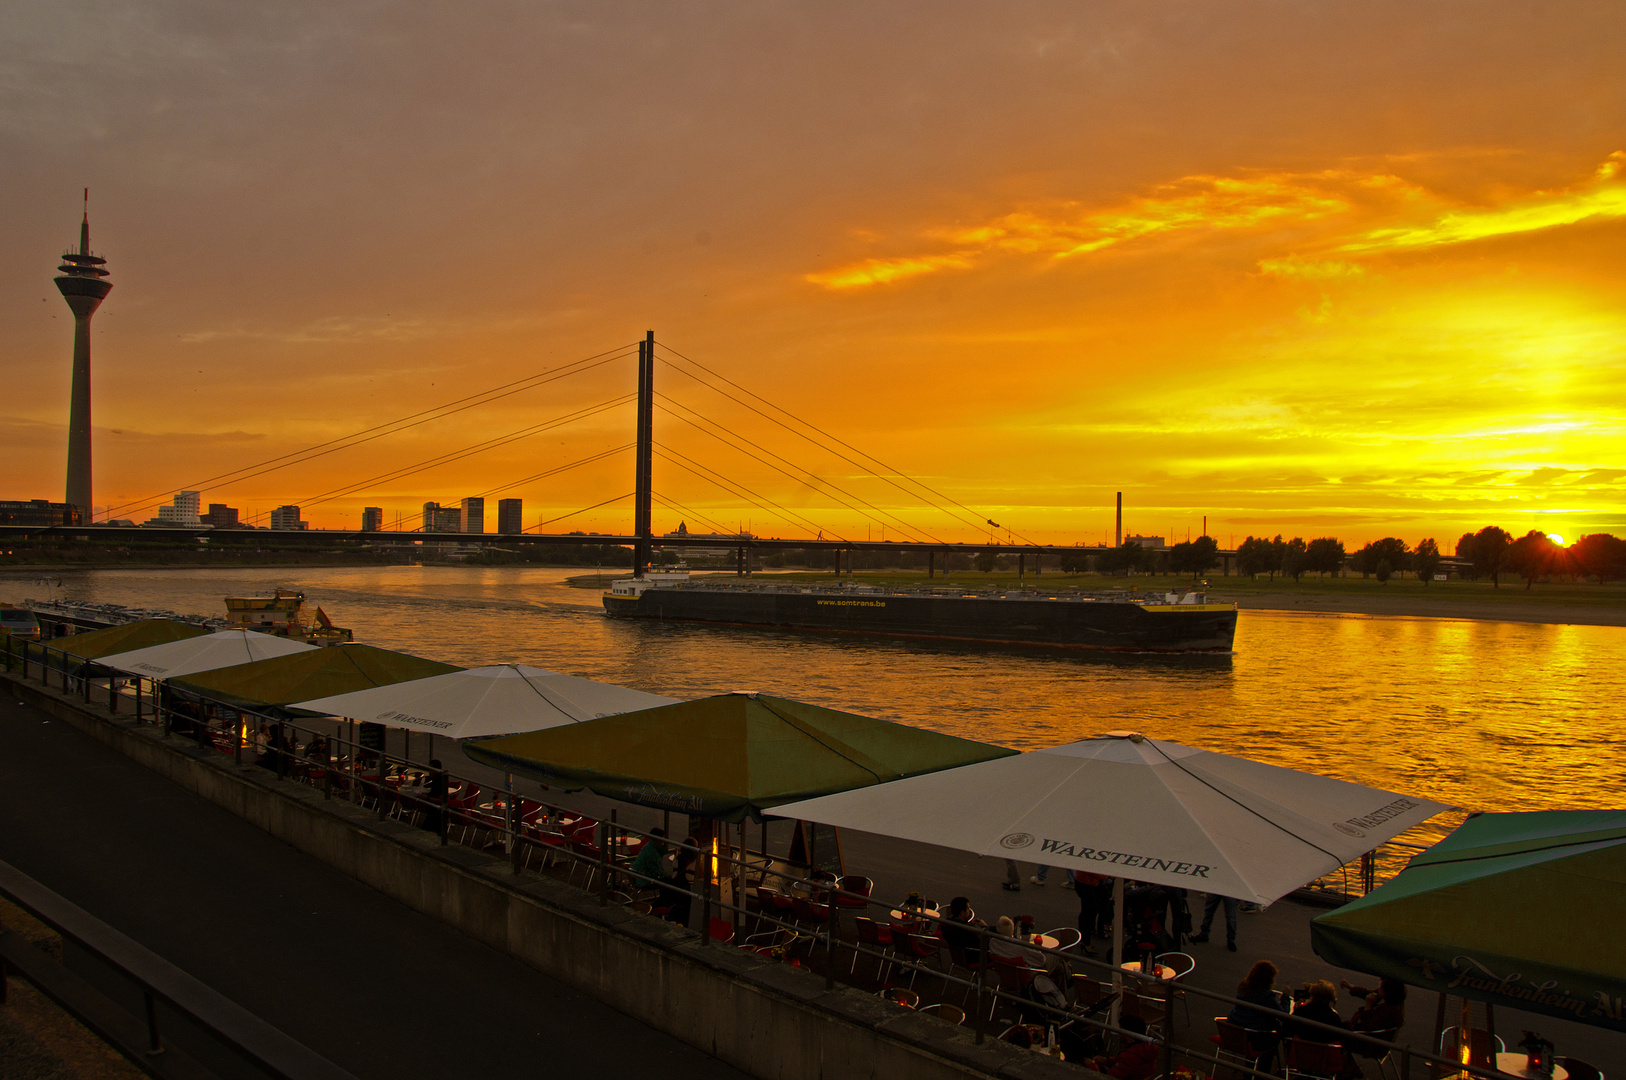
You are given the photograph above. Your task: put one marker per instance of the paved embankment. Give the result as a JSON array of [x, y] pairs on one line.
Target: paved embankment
[[362, 979]]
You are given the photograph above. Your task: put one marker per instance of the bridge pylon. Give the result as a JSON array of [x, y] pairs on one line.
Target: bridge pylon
[[644, 480]]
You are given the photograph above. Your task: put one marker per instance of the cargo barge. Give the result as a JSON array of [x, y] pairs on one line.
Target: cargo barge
[[1162, 622]]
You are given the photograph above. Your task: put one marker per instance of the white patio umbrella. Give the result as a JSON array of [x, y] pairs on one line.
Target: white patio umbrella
[[502, 699], [191, 655], [1127, 806]]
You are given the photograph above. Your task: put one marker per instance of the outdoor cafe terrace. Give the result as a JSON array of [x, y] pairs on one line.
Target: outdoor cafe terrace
[[854, 928]]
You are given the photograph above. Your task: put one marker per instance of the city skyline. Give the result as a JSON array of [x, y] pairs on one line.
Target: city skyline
[[1298, 271]]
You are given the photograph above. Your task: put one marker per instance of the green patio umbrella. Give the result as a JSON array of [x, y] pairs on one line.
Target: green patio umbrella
[[125, 638], [1526, 910], [727, 757], [314, 673]]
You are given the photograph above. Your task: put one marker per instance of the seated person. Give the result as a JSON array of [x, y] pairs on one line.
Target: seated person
[[1384, 1008], [957, 931], [1382, 1013], [648, 866], [1317, 1005], [1264, 1028], [1005, 945], [1137, 1061]]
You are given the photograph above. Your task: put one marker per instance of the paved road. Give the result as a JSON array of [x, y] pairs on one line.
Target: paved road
[[380, 989]]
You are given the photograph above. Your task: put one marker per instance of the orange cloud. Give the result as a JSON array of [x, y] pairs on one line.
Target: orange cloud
[[1219, 205], [1602, 196], [1214, 204]]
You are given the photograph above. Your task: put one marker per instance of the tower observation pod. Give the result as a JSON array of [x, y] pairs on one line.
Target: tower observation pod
[[84, 286]]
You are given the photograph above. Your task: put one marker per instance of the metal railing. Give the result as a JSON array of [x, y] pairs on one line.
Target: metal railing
[[527, 828]]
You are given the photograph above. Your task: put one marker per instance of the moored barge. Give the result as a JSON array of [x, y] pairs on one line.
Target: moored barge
[[1131, 622]]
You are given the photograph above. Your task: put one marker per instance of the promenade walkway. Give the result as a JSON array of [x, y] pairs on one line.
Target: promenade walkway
[[363, 980]]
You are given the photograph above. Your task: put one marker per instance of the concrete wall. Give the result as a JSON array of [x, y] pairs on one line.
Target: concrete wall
[[762, 1016]]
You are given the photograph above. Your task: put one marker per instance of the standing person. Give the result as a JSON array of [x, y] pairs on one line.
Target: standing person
[[1209, 908], [1091, 905], [1042, 872]]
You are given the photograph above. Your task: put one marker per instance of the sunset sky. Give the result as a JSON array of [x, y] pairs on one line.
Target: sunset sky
[[1310, 268]]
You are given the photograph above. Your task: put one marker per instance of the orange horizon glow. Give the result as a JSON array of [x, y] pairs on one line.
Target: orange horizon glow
[[1280, 273]]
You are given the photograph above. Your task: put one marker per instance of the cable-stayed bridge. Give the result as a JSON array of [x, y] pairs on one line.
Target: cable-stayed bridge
[[946, 514]]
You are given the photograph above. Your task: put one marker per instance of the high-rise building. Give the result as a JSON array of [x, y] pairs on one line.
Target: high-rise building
[[221, 516], [438, 518], [509, 512], [372, 518], [286, 517], [182, 511], [83, 286], [473, 519]]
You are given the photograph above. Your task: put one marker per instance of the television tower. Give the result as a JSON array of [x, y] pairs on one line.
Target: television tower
[[84, 289]]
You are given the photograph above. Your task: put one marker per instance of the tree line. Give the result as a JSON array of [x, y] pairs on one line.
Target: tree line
[[1493, 551]]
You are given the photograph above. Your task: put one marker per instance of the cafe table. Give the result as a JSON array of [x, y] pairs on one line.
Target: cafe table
[[1162, 971], [1514, 1065], [909, 916]]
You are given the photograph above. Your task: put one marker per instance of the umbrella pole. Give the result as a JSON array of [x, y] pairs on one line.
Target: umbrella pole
[[1117, 947]]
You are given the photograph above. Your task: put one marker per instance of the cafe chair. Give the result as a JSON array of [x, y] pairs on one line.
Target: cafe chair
[[1086, 991], [587, 861], [919, 948], [952, 1013], [1066, 936], [854, 883], [806, 911], [1014, 979], [1183, 964], [878, 940], [1578, 1069], [1319, 1060], [1236, 1047], [1148, 1008], [1385, 1058], [722, 930], [769, 943]]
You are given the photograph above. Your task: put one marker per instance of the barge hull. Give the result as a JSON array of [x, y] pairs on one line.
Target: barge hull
[[1065, 624]]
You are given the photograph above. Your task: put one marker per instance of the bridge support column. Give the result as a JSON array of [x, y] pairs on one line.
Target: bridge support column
[[931, 565], [643, 482]]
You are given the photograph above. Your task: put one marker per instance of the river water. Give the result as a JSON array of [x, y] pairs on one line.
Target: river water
[[1480, 715]]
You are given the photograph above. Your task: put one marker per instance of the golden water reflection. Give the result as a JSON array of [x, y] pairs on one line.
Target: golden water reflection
[[1481, 715]]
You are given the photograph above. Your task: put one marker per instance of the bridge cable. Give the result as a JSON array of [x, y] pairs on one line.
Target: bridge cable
[[724, 482], [811, 476], [583, 510], [511, 485], [898, 472], [444, 410], [467, 451], [673, 504]]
